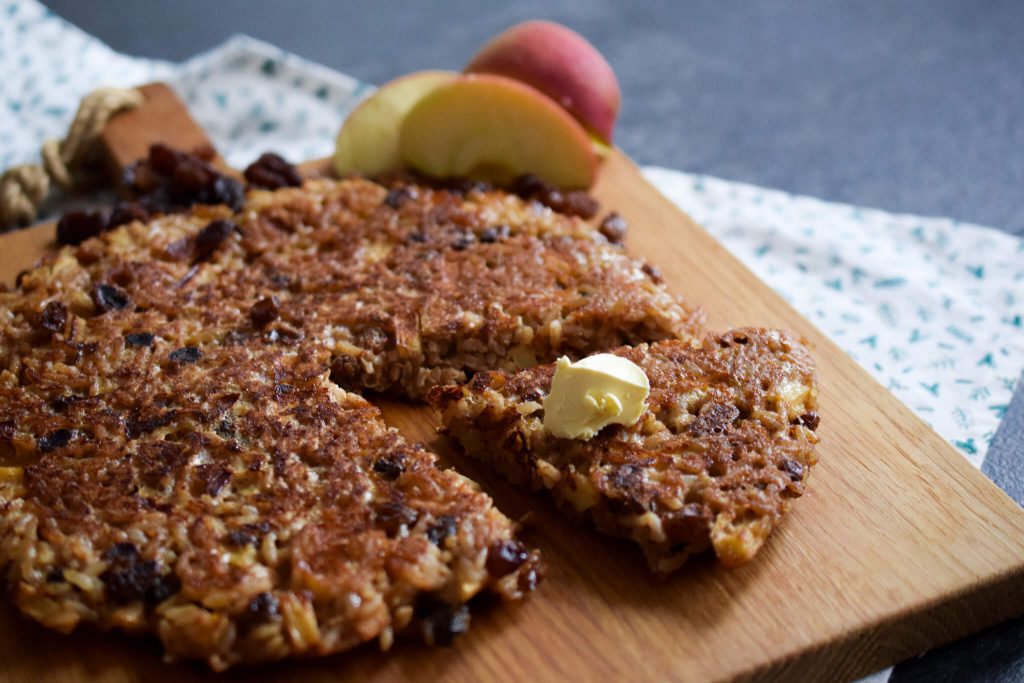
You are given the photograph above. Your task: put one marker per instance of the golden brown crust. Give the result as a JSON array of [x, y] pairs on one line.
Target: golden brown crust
[[243, 508], [177, 457], [725, 444], [405, 289]]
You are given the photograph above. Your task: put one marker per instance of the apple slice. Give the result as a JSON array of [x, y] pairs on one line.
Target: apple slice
[[368, 140], [495, 128], [560, 63], [601, 148]]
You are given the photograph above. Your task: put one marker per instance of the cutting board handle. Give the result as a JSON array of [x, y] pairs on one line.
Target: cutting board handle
[[161, 118]]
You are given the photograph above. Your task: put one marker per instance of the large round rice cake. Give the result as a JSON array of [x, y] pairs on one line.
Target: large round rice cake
[[178, 455]]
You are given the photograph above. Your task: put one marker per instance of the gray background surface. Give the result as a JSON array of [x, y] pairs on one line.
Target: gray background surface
[[913, 106]]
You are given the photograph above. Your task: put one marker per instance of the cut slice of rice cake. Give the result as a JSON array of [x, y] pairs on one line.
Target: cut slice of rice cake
[[724, 445]]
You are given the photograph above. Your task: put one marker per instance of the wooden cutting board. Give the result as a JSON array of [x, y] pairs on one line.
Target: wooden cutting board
[[898, 546]]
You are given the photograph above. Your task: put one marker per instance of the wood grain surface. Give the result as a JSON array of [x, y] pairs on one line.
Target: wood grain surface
[[899, 544]]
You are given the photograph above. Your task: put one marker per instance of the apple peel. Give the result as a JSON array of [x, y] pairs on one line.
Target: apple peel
[[560, 63]]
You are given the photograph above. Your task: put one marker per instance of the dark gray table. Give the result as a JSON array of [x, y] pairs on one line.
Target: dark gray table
[[911, 106]]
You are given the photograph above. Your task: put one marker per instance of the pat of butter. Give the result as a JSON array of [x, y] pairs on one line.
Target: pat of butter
[[593, 393]]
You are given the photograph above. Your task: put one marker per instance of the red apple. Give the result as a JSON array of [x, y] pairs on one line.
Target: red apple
[[368, 141], [561, 64], [496, 128]]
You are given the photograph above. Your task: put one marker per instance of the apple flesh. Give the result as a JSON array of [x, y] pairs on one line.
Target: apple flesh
[[368, 141], [561, 64], [495, 128]]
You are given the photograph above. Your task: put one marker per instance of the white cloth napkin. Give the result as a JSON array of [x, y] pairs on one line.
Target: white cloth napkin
[[931, 307]]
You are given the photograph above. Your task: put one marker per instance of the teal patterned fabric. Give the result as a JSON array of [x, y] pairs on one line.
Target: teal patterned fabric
[[932, 308], [46, 66], [248, 95]]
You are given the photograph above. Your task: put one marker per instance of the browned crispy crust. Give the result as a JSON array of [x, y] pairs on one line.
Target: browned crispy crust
[[406, 289], [178, 457], [241, 507], [724, 445]]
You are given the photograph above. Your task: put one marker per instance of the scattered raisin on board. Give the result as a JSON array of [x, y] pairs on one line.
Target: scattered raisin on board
[[614, 228], [272, 172], [169, 180]]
